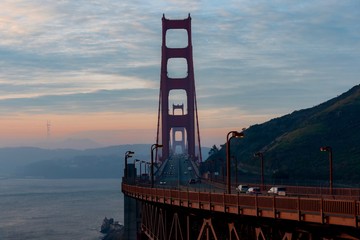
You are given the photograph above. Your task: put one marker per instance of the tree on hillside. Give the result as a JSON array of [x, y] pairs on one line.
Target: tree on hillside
[[213, 150]]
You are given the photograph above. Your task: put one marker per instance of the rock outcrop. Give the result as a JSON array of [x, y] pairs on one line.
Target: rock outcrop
[[112, 229]]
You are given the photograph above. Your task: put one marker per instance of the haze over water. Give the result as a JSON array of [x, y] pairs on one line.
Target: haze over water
[[34, 209]]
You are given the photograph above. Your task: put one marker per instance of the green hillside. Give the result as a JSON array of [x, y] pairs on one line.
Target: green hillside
[[291, 144]]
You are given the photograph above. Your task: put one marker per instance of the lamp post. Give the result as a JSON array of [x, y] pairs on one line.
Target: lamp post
[[153, 147], [261, 156], [148, 166], [236, 172], [135, 161], [141, 162], [329, 150], [233, 134], [212, 169], [128, 154]]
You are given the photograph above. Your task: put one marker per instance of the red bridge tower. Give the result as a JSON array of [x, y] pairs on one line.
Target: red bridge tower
[[181, 127]]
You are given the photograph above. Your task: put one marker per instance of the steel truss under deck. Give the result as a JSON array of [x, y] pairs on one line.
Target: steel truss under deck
[[161, 222]]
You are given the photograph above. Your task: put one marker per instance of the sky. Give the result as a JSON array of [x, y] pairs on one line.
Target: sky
[[91, 69]]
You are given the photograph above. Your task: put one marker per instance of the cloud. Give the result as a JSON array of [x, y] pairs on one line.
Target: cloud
[[257, 59], [21, 19], [126, 100]]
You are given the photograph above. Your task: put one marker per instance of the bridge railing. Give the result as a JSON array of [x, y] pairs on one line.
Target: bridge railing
[[321, 210], [310, 204], [305, 191], [340, 207]]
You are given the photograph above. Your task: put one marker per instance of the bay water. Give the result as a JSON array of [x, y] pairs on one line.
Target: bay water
[[55, 209]]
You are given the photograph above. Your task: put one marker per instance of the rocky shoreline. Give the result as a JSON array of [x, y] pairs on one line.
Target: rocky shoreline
[[112, 229]]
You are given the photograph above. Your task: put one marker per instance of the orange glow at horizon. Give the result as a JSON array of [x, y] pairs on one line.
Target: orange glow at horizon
[[35, 126], [110, 128]]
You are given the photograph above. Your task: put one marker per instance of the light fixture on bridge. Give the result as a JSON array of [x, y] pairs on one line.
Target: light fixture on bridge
[[128, 154], [229, 136], [141, 162], [261, 156], [329, 150], [153, 147], [135, 161], [325, 149], [148, 167]]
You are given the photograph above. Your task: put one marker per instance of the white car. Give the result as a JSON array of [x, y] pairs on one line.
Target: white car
[[162, 183], [253, 190], [281, 191]]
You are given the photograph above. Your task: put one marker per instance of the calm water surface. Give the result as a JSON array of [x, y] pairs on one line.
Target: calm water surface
[[58, 209]]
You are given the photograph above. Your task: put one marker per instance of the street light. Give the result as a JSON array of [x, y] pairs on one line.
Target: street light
[[128, 154], [148, 166], [329, 150], [261, 156], [153, 147], [148, 171], [137, 160], [236, 172], [142, 161], [234, 134]]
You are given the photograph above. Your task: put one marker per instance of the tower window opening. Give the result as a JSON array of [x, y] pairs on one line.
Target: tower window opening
[[176, 38], [177, 68], [175, 97]]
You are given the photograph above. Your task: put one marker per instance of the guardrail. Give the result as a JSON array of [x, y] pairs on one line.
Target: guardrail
[[313, 210]]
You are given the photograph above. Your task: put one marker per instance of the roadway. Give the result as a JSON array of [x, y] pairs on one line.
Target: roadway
[[179, 172]]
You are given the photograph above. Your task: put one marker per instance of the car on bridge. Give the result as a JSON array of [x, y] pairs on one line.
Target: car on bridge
[[253, 190], [242, 188], [281, 191], [193, 180]]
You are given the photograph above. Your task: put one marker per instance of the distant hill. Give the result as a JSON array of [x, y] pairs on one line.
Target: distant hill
[[38, 162], [291, 144], [69, 143], [105, 162]]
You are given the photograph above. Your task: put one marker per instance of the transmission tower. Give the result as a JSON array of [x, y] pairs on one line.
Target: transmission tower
[[48, 128]]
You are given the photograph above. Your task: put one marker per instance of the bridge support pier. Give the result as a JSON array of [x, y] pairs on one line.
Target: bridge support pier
[[132, 218], [132, 206]]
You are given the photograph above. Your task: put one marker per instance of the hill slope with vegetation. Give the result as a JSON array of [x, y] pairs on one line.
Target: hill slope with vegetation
[[291, 144]]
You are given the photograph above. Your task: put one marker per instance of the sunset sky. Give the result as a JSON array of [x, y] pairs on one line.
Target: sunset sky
[[92, 68]]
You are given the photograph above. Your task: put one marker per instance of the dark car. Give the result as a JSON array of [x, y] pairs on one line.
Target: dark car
[[192, 181]]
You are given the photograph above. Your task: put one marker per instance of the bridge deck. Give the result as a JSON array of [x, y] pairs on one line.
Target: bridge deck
[[313, 210]]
